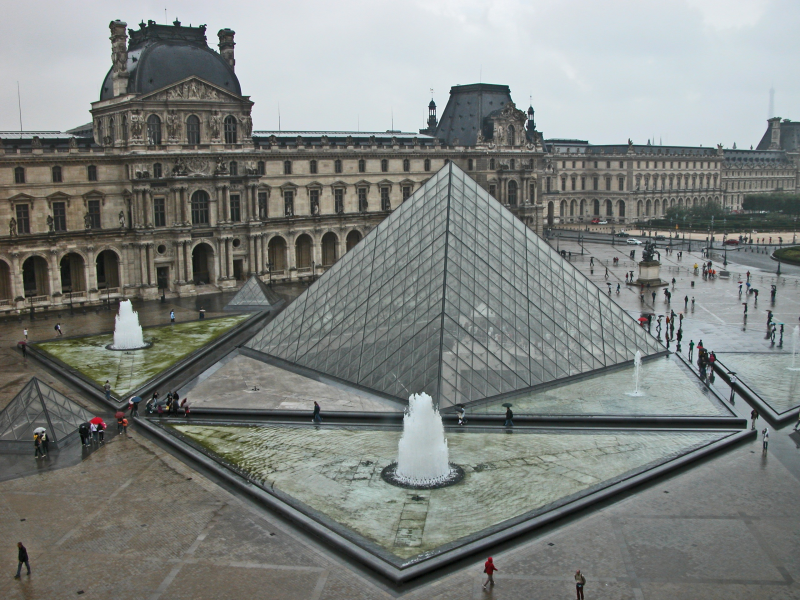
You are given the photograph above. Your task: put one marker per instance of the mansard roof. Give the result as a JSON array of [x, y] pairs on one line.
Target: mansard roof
[[466, 111]]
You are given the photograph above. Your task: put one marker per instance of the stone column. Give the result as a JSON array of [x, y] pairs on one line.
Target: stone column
[[91, 271], [54, 275], [147, 206], [122, 267], [179, 268], [151, 262], [17, 284], [229, 256], [143, 278], [251, 255], [219, 260]]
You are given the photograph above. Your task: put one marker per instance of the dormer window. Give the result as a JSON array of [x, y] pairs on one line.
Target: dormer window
[[230, 129], [193, 130], [154, 130]]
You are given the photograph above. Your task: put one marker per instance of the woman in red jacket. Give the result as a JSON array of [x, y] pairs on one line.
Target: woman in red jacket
[[489, 569]]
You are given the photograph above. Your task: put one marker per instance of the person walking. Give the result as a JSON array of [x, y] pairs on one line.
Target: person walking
[[617, 288], [685, 302], [107, 389], [692, 303], [202, 313], [765, 439], [84, 432], [37, 446], [654, 298], [119, 425], [509, 416], [172, 316], [606, 272], [489, 569], [580, 581], [691, 349], [95, 438], [25, 333], [58, 329], [754, 417], [462, 415], [316, 418], [45, 443], [22, 557], [124, 425]]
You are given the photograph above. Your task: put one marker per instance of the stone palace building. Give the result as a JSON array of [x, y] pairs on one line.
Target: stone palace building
[[171, 189]]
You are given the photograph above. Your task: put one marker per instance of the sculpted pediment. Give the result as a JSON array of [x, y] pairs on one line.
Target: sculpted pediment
[[192, 88]]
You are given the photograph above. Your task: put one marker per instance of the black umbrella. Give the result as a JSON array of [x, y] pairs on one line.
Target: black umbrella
[[507, 404]]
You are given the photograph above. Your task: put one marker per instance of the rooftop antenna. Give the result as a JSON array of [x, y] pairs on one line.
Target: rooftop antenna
[[393, 118], [279, 116], [358, 123], [19, 105], [771, 102], [481, 75], [165, 17]]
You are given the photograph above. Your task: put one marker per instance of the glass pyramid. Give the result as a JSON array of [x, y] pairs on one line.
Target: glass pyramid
[[254, 295], [454, 296], [39, 405]]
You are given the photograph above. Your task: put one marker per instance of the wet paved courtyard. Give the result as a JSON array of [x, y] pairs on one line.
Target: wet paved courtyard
[[131, 521]]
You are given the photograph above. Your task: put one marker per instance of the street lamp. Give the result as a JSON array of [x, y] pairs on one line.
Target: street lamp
[[269, 267]]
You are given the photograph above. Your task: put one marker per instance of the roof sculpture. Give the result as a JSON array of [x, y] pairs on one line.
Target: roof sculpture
[[39, 405], [454, 296]]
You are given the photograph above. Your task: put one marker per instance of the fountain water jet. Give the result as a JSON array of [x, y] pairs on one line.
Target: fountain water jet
[[422, 454], [795, 347], [127, 331], [637, 367]]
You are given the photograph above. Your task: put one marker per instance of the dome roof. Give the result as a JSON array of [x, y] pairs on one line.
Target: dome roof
[[160, 55]]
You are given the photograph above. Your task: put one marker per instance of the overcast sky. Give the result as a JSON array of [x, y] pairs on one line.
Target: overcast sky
[[679, 71]]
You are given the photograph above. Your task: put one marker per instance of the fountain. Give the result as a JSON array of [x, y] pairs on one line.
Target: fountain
[[795, 346], [127, 331], [422, 454], [637, 367]]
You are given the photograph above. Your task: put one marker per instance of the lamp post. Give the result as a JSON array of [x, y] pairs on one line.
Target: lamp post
[[269, 267], [71, 311]]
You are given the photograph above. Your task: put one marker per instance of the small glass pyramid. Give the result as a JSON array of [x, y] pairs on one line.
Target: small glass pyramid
[[39, 405], [254, 295], [454, 296]]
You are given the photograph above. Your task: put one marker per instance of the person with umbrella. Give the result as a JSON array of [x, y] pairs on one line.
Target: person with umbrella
[[97, 426], [509, 415], [42, 433], [120, 416], [462, 413], [37, 446], [134, 402]]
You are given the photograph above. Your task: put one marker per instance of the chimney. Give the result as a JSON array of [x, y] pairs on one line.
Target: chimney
[[119, 57], [226, 45], [775, 130]]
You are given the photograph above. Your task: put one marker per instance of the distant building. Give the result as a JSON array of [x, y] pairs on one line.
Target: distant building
[[170, 187]]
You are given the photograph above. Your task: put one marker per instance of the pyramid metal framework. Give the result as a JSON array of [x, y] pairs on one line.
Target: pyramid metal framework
[[39, 405], [254, 295], [454, 296]]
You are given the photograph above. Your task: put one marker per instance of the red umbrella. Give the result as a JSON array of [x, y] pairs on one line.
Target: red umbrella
[[642, 319], [119, 415], [98, 421]]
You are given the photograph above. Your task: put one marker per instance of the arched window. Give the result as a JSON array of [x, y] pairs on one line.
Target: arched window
[[287, 167], [193, 130], [56, 174], [621, 208], [596, 208], [337, 166], [362, 165], [157, 172], [491, 163], [111, 131], [154, 130], [512, 193], [233, 168], [19, 175], [230, 129], [384, 165], [406, 165], [312, 167], [511, 133], [427, 164], [200, 208], [262, 167]]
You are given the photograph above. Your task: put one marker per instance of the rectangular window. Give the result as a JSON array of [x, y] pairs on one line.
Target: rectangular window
[[547, 185], [608, 183], [262, 205], [621, 184], [469, 164], [493, 189], [338, 200], [363, 205], [19, 175], [621, 165], [94, 214], [160, 212], [608, 164], [23, 218], [312, 167], [59, 216], [313, 196], [595, 182], [407, 191], [386, 204], [573, 184], [91, 173], [563, 184], [236, 208], [583, 183], [56, 174]]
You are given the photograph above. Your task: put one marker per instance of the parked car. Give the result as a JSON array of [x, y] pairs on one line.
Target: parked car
[[660, 237], [595, 221], [731, 242], [602, 223], [622, 234], [634, 242]]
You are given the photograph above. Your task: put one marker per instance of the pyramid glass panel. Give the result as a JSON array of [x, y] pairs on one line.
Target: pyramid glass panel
[[454, 296], [253, 295]]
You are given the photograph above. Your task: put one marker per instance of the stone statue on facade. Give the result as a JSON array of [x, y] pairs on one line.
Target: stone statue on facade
[[180, 169], [137, 124], [221, 168], [247, 125], [49, 221], [173, 125], [121, 219], [214, 125], [12, 227], [87, 221]]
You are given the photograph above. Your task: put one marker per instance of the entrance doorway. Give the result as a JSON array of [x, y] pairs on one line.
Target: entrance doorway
[[203, 264]]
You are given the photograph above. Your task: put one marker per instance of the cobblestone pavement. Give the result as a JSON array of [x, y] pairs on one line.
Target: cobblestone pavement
[[131, 521]]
